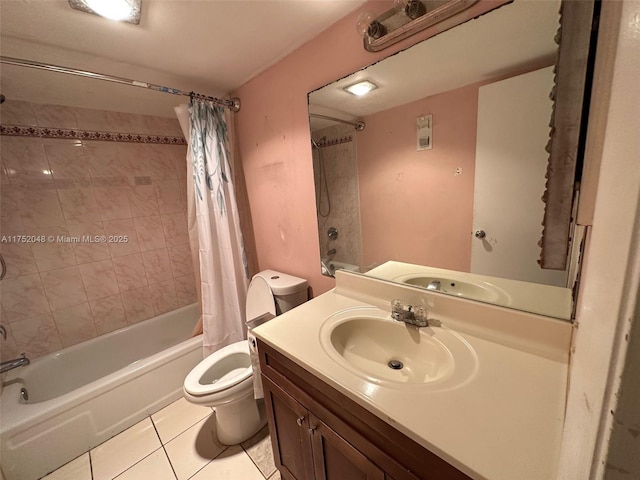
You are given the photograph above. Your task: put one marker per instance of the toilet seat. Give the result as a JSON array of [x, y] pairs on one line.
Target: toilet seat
[[206, 379]]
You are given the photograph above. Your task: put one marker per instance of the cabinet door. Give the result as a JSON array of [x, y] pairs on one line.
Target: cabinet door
[[335, 459], [289, 423]]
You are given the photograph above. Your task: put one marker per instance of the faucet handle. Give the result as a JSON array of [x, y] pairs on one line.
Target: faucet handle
[[422, 315]]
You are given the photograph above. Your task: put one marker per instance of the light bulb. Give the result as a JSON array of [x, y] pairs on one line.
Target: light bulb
[[111, 9], [363, 22]]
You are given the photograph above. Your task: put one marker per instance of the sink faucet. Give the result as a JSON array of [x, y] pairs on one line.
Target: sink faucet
[[409, 314], [15, 363]]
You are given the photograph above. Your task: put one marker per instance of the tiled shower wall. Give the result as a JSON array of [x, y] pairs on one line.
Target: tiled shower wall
[[341, 168], [56, 293]]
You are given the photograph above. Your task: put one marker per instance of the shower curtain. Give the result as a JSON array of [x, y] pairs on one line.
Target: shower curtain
[[214, 225]]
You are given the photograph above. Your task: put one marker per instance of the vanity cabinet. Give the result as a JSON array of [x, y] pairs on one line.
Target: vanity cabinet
[[318, 433]]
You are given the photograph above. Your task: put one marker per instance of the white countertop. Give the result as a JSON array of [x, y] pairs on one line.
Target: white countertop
[[504, 423]]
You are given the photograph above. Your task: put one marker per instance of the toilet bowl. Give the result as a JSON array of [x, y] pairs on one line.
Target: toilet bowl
[[224, 379]]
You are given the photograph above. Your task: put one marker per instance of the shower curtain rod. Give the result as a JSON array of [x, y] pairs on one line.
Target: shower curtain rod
[[359, 125], [233, 103]]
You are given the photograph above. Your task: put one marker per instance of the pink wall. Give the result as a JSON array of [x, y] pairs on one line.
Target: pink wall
[[274, 142], [437, 205]]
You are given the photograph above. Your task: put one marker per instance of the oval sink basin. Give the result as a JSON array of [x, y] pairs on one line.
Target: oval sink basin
[[371, 344], [481, 291]]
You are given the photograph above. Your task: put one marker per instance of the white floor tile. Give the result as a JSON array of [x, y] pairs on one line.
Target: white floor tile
[[174, 419], [124, 450], [194, 448], [154, 467], [78, 469], [232, 464]]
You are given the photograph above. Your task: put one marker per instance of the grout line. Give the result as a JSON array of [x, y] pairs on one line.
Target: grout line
[[166, 454], [90, 464]]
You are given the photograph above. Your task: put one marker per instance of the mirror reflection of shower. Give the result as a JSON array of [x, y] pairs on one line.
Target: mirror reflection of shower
[[335, 166], [323, 199]]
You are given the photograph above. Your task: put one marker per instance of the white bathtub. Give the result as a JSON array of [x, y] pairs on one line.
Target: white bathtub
[[83, 395]]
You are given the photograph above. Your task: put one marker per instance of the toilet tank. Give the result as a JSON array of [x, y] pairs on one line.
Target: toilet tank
[[289, 291]]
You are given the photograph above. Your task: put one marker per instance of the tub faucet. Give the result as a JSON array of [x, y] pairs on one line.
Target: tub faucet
[[15, 363], [412, 315], [434, 285]]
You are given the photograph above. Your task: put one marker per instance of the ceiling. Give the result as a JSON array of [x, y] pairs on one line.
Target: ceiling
[[512, 38], [208, 46]]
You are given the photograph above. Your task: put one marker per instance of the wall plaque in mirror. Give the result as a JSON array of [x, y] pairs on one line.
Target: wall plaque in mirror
[[393, 201]]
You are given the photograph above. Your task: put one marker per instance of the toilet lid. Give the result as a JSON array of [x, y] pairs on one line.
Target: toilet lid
[[259, 299]]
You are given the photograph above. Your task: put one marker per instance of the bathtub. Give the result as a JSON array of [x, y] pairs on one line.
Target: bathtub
[[83, 395]]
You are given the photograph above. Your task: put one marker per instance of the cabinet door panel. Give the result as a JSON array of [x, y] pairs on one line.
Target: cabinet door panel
[[290, 437], [335, 459]]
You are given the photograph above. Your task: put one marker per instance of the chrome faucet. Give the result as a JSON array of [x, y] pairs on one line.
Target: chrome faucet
[[434, 285], [409, 314], [15, 363]]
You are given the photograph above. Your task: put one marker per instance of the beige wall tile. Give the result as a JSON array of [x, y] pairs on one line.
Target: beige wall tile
[[65, 161], [157, 266], [181, 260], [142, 199], [137, 304], [17, 112], [79, 205], [75, 324], [36, 336], [122, 228], [108, 314], [64, 287], [175, 228], [87, 251], [55, 116], [18, 258], [163, 296], [130, 272], [39, 207], [150, 232], [113, 202], [186, 292], [23, 297], [99, 279]]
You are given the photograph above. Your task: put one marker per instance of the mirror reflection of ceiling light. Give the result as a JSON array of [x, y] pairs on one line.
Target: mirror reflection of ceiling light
[[120, 10], [361, 88]]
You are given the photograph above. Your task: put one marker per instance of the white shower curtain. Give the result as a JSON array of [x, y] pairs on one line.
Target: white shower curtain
[[223, 273]]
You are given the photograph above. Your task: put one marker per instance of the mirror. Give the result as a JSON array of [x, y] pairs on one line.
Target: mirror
[[450, 169]]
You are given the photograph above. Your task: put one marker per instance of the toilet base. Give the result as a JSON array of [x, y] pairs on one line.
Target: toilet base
[[238, 421]]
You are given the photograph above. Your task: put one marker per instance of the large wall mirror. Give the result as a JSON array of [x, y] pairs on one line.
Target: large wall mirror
[[450, 168]]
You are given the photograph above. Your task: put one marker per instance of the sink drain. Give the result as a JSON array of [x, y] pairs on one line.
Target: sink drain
[[395, 364]]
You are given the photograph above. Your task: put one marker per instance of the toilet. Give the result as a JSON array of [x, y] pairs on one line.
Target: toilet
[[224, 380]]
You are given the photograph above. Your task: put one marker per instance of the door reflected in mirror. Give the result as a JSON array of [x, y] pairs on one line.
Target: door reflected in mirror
[[409, 192]]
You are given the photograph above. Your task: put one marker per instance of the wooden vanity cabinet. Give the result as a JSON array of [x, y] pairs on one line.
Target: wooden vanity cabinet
[[318, 433]]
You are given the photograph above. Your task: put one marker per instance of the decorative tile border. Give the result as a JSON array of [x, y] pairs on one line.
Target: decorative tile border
[[16, 131]]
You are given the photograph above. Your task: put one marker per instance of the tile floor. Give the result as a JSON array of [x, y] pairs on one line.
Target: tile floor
[[176, 443]]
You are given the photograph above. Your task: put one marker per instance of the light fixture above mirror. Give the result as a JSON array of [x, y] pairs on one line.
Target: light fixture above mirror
[[406, 18], [118, 10]]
